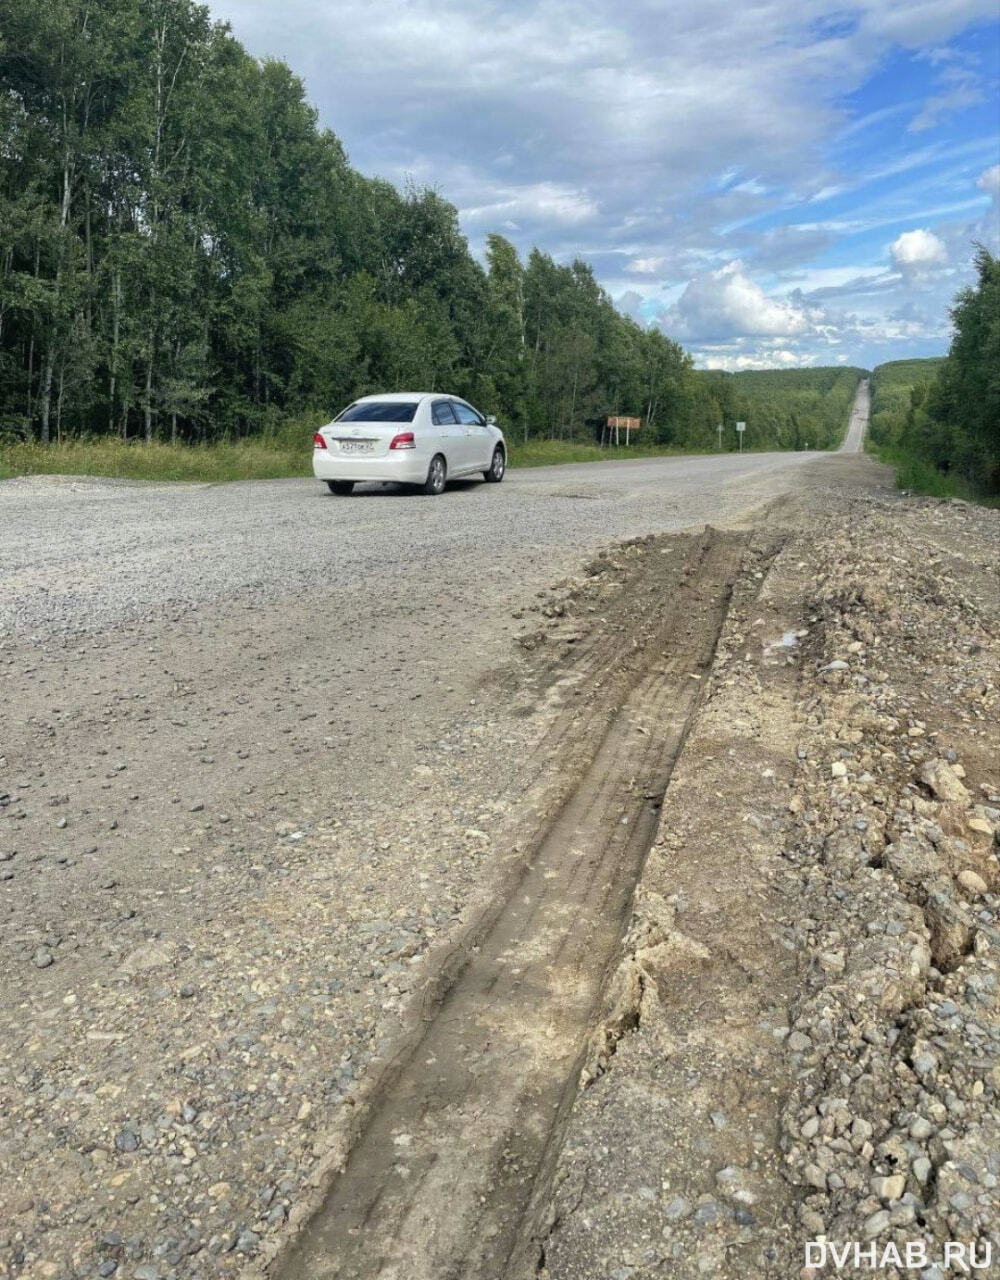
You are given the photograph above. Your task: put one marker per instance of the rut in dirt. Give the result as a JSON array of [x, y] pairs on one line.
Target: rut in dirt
[[439, 1182]]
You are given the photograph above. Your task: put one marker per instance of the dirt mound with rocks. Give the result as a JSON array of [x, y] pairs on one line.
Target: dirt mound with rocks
[[802, 1043]]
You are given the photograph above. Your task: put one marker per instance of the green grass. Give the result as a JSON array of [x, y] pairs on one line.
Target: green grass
[[548, 453], [251, 460], [287, 454], [918, 476]]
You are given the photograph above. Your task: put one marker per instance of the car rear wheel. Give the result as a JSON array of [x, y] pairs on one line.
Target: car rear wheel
[[436, 475], [341, 487], [497, 467]]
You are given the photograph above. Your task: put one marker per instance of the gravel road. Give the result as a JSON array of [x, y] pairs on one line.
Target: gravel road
[[79, 554], [263, 757]]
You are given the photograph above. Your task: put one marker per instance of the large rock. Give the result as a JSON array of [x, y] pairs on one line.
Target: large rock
[[943, 782], [950, 924], [913, 859]]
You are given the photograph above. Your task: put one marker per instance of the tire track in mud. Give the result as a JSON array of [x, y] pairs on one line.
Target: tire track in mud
[[440, 1178]]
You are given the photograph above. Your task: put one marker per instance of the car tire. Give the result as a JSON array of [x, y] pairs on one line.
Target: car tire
[[498, 466], [340, 487], [437, 474]]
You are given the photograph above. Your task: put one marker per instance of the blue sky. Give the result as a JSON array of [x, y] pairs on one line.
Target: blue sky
[[772, 184]]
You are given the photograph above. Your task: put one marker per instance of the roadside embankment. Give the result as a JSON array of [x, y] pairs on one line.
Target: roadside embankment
[[802, 1041]]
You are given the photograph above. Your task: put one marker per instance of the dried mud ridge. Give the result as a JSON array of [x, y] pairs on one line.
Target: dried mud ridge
[[463, 1134]]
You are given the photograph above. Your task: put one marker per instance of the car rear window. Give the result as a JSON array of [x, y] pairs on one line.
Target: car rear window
[[379, 411]]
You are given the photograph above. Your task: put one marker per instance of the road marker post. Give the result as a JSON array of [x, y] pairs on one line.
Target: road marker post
[[740, 428]]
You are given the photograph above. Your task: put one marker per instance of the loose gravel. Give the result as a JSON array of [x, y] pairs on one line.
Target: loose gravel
[[260, 766]]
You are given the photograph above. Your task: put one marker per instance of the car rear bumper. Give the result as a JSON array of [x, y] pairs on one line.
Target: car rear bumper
[[398, 467]]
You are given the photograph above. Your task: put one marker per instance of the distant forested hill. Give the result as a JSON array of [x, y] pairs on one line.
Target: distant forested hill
[[784, 408]]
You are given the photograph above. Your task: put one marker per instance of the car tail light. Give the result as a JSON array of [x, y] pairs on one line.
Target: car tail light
[[318, 441], [404, 440]]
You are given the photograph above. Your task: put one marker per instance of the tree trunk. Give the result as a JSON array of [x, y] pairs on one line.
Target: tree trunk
[[31, 374], [59, 401], [148, 407], [50, 357], [116, 297]]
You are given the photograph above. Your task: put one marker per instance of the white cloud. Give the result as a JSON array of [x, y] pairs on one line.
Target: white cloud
[[660, 141], [646, 266], [989, 181], [727, 302], [534, 202], [916, 252], [733, 358]]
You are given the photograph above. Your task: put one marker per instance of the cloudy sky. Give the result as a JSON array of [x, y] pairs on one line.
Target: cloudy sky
[[773, 183]]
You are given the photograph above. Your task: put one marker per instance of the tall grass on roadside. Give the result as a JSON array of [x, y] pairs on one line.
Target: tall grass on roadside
[[918, 476], [548, 453], [257, 459]]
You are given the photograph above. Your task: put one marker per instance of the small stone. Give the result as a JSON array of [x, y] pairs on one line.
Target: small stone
[[921, 1169], [924, 1064], [677, 1208], [731, 1183], [838, 769], [890, 1188], [973, 883], [42, 958], [107, 1268], [126, 1141], [146, 1272], [875, 1225], [798, 1042], [247, 1242]]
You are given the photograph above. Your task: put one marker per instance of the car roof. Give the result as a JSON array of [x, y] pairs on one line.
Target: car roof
[[408, 395]]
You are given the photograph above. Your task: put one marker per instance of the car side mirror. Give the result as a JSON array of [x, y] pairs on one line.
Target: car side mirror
[[491, 420]]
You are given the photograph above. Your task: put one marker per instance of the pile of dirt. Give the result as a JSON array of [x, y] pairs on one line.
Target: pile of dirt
[[802, 1042]]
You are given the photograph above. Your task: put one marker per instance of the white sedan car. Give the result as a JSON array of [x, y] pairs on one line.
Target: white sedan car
[[415, 438]]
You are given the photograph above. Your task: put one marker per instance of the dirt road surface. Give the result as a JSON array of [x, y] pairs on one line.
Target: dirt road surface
[[320, 821]]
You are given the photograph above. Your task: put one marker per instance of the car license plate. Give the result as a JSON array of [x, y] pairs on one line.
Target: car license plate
[[357, 446]]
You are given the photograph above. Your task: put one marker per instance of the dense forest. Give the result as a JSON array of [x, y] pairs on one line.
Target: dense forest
[[186, 256], [893, 386], [947, 412]]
